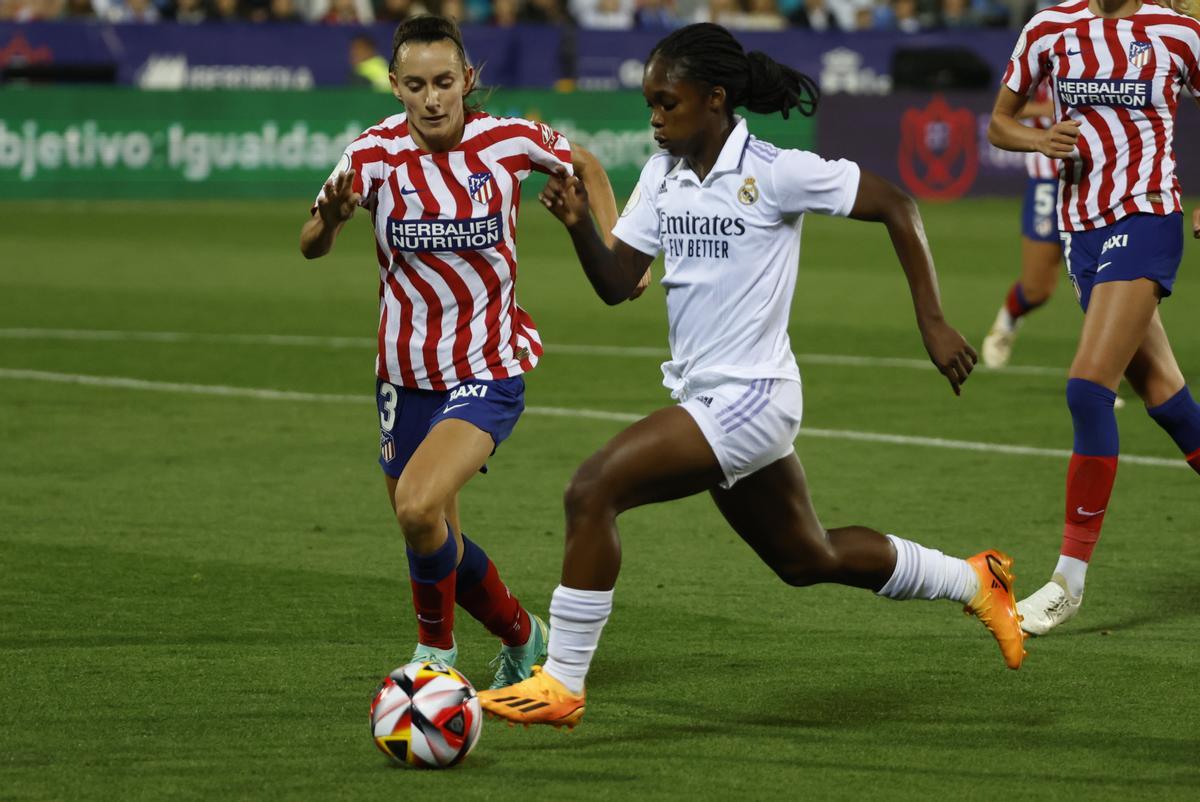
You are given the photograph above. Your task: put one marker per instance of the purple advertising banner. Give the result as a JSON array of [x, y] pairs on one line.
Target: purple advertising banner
[[853, 63], [245, 56], [267, 56], [935, 144]]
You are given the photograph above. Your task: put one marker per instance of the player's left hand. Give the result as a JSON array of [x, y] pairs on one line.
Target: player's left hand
[[1196, 223], [950, 352]]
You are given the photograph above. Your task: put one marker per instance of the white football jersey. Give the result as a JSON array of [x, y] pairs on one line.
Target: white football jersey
[[732, 246]]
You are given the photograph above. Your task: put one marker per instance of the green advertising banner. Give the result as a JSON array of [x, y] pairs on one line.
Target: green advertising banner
[[127, 143]]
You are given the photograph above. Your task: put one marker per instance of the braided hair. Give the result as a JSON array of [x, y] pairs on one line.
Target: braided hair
[[710, 54]]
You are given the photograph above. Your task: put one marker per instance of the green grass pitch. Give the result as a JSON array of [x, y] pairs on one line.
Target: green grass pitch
[[198, 593]]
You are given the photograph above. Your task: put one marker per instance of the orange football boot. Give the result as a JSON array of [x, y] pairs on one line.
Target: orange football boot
[[996, 605], [541, 699]]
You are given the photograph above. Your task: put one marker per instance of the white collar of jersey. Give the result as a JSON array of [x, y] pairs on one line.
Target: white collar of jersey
[[729, 160]]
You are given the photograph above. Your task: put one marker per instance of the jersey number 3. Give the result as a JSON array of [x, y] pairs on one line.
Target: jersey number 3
[[387, 409]]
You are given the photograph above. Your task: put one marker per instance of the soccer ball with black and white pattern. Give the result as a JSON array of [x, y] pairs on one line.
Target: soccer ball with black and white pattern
[[427, 715]]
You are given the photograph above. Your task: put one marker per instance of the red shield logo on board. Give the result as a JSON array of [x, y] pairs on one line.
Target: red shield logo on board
[[939, 150]]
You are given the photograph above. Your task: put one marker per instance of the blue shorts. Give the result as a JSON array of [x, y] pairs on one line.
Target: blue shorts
[[406, 415], [1138, 246], [1039, 212]]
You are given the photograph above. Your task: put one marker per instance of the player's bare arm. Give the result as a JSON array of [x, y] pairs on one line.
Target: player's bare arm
[[1007, 132], [881, 201], [335, 206], [1036, 108], [602, 202], [617, 271]]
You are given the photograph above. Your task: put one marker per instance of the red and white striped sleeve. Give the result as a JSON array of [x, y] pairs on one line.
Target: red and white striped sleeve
[[358, 156], [1027, 67], [1191, 60], [549, 149]]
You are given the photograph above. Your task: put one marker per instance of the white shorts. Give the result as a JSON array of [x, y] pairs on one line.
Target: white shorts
[[749, 424]]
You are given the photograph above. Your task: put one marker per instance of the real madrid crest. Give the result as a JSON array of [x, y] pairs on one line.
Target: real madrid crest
[[748, 194]]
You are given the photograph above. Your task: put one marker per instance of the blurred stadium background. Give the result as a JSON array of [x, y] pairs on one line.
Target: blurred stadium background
[[199, 581]]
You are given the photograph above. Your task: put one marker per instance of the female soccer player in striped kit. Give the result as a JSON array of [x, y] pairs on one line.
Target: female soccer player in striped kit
[[1041, 251], [1118, 68], [442, 182], [726, 208]]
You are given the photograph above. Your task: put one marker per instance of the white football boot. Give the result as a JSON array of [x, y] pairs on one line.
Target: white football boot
[[1049, 606], [997, 345]]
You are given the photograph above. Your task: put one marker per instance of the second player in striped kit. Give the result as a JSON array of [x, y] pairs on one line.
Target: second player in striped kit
[[1117, 69]]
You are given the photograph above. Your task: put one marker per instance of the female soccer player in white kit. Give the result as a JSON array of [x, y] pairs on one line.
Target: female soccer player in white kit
[[726, 208], [1117, 70], [442, 182]]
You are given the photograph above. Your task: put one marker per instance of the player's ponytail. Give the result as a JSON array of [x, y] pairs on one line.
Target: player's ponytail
[[777, 87], [710, 54]]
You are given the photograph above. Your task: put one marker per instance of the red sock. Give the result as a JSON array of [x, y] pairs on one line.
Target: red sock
[[433, 581], [1089, 487], [1193, 459], [434, 603], [494, 606]]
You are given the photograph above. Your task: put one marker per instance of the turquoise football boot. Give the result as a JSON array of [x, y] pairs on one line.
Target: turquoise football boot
[[515, 663], [432, 654]]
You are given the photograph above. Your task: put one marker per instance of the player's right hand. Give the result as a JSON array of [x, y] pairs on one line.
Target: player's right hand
[[566, 198], [950, 352], [1058, 141], [338, 199]]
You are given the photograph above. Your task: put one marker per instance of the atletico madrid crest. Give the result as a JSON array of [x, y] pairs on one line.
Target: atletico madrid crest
[[1139, 54], [481, 186]]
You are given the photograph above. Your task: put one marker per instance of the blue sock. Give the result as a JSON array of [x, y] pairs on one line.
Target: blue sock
[[474, 564], [1091, 407], [1180, 418], [432, 568]]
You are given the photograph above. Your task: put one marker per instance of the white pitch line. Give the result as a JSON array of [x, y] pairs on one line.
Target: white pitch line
[[308, 341], [127, 383]]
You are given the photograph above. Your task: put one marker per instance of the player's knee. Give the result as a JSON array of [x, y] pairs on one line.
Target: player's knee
[[419, 515], [587, 494]]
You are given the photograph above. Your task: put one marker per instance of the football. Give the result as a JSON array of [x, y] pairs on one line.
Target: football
[[426, 715]]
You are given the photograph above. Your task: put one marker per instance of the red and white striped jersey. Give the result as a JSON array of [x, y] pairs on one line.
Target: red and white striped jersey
[[1039, 165], [446, 240], [1120, 79]]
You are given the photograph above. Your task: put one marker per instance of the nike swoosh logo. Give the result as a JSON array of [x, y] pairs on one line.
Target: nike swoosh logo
[[456, 406], [407, 191], [1101, 267], [1084, 513], [425, 620], [1074, 52]]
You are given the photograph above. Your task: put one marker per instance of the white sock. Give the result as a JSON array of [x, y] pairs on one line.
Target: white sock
[[1074, 571], [923, 573], [576, 620], [1007, 319]]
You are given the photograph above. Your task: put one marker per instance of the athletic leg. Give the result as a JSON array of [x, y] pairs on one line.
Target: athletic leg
[[662, 457], [1116, 323], [1040, 265], [1155, 375], [772, 511], [447, 458]]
